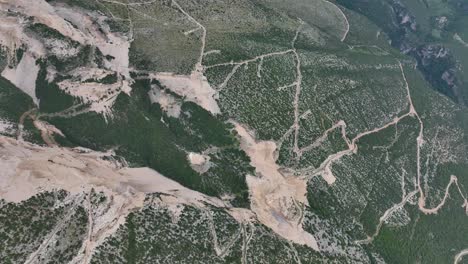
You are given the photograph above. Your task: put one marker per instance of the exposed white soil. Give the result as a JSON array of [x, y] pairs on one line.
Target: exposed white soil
[[211, 52], [277, 200], [45, 14], [78, 26], [28, 169], [297, 93], [20, 132], [85, 74], [47, 131], [109, 43], [199, 162], [24, 75], [460, 255], [31, 168], [196, 159], [86, 28], [194, 87], [168, 102], [460, 40], [101, 97], [12, 35], [6, 127], [60, 48]]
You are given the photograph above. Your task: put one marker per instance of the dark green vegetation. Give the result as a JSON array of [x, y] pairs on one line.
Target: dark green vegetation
[[422, 239], [279, 61], [27, 226], [432, 32], [146, 136], [52, 99], [159, 44], [155, 234], [383, 172], [13, 103], [139, 243]]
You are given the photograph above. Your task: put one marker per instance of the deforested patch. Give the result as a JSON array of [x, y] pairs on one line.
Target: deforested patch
[[168, 102], [195, 88]]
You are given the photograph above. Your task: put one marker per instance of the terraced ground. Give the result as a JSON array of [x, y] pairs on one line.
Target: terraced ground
[[243, 131]]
